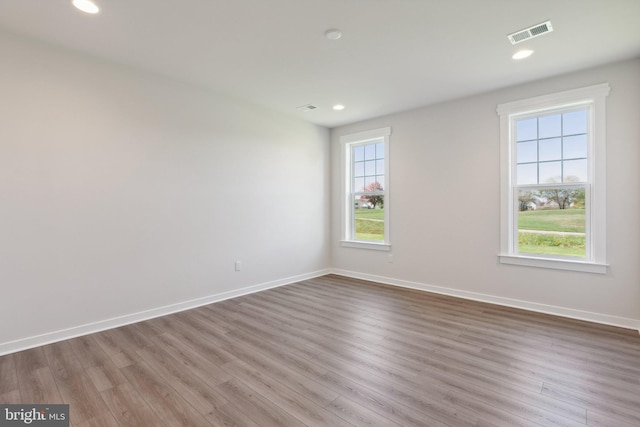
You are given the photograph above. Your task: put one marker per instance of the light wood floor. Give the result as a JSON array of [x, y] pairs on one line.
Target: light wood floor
[[336, 352]]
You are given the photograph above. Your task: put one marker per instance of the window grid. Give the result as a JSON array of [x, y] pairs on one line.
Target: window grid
[[587, 174], [365, 220], [561, 136], [367, 168], [555, 156]]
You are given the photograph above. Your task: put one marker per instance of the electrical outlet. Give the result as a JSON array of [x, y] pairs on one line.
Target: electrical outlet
[[238, 265], [390, 258]]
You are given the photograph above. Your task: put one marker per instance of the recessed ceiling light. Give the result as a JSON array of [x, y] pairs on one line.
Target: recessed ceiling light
[[338, 107], [521, 54], [86, 6], [333, 34]]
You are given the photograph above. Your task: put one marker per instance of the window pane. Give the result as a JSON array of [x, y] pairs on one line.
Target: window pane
[[380, 151], [550, 149], [575, 170], [369, 218], [358, 169], [526, 129], [369, 152], [550, 126], [380, 167], [370, 168], [372, 184], [552, 222], [358, 153], [358, 184], [527, 174], [380, 181], [574, 147], [527, 152], [550, 172], [574, 123], [369, 182]]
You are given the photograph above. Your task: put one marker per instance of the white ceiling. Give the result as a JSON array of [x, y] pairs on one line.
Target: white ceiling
[[394, 54]]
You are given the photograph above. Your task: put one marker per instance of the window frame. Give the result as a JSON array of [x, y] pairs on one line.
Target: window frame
[[594, 98], [347, 208]]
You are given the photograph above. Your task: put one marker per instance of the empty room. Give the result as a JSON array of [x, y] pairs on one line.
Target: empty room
[[320, 213]]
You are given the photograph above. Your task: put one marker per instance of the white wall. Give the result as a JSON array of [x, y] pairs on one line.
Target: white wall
[[445, 199], [124, 194], [122, 191]]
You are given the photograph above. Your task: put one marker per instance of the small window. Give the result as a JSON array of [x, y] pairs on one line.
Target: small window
[[553, 180], [366, 181]]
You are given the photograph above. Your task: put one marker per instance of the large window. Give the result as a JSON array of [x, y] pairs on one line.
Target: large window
[[553, 196], [551, 183], [366, 177]]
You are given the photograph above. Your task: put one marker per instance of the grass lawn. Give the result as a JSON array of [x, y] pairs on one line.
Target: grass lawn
[[551, 244], [552, 220], [568, 220], [562, 220], [370, 213], [367, 229]]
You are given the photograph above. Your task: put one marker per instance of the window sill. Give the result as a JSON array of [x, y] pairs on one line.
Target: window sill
[[558, 264], [365, 245]]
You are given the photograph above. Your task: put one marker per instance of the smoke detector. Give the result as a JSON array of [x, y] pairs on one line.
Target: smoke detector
[[531, 32]]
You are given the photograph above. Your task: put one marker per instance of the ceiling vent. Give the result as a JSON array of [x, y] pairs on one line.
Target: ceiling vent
[[531, 32], [307, 107]]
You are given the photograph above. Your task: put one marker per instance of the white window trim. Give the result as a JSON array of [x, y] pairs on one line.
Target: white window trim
[[347, 204], [595, 96]]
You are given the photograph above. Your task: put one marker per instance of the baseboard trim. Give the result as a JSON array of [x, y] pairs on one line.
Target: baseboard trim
[[90, 328], [604, 319]]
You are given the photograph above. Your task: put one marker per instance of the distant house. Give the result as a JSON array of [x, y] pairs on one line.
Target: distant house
[[363, 204]]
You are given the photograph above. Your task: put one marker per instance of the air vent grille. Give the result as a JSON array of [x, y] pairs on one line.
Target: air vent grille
[[307, 107], [531, 32]]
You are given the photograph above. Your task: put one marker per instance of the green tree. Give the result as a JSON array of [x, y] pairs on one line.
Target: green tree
[[578, 201]]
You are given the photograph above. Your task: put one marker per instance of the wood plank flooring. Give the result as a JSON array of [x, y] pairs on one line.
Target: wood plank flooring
[[334, 351]]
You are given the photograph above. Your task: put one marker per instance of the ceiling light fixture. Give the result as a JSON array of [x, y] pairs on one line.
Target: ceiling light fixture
[[87, 6], [521, 54], [338, 107], [333, 34]]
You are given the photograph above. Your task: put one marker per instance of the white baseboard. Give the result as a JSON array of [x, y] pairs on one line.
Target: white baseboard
[[90, 328], [604, 319]]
